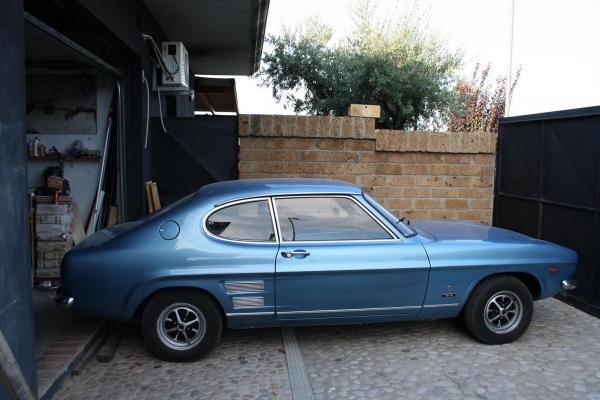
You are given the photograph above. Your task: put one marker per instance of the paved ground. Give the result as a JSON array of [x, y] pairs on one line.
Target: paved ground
[[558, 358]]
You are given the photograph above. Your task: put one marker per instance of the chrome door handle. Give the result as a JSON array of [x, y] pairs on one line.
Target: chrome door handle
[[289, 254]]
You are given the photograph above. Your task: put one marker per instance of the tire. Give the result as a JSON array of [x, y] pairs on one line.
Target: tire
[[188, 337], [499, 310]]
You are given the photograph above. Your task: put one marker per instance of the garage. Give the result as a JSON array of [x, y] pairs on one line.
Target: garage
[[101, 101]]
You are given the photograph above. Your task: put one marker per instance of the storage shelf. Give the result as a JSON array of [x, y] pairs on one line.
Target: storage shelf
[[91, 157]]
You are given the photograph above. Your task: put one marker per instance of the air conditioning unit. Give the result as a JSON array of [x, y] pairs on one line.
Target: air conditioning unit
[[177, 61]]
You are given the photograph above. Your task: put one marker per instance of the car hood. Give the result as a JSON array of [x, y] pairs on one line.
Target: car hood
[[455, 230]]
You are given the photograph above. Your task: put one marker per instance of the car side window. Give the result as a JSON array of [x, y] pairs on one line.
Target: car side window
[[250, 221], [325, 218]]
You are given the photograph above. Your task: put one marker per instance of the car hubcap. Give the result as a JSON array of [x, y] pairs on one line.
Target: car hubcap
[[503, 312], [181, 326]]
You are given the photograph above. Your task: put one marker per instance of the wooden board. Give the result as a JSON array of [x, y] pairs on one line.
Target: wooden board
[[155, 198], [148, 186], [364, 110]]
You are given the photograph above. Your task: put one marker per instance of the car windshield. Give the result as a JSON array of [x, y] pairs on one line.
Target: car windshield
[[404, 228]]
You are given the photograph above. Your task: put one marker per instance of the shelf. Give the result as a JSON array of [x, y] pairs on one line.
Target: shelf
[[90, 157]]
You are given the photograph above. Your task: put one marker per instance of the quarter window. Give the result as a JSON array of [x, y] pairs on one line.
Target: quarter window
[[325, 218], [250, 221]]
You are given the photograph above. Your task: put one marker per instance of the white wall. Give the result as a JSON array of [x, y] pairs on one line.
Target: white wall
[[82, 175]]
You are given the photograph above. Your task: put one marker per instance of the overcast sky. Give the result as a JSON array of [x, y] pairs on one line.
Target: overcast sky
[[555, 42]]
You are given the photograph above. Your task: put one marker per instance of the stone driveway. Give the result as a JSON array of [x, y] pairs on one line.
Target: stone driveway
[[558, 358]]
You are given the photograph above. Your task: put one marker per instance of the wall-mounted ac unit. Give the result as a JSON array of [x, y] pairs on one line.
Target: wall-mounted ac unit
[[177, 61]]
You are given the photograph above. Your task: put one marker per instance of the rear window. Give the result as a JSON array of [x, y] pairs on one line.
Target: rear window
[[249, 221]]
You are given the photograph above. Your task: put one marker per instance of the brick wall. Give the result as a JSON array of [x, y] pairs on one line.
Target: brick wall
[[438, 175]]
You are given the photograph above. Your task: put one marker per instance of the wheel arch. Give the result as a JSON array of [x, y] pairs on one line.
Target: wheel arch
[[529, 280], [140, 307]]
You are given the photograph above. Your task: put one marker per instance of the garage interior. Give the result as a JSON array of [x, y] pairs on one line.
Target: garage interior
[[108, 143]]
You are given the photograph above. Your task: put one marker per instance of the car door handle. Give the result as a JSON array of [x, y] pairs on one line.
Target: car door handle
[[289, 254]]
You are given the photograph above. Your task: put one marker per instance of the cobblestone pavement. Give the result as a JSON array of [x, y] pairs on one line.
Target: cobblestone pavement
[[558, 358], [245, 365]]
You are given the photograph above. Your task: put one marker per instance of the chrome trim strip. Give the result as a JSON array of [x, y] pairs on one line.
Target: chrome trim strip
[[250, 314], [440, 305], [254, 196], [248, 302], [393, 236], [244, 286], [348, 310], [232, 203]]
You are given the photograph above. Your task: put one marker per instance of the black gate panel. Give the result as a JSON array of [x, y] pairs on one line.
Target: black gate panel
[[548, 186], [194, 152]]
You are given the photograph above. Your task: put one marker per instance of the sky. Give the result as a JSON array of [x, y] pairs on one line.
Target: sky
[[555, 42]]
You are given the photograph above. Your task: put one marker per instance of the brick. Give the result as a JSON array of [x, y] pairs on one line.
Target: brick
[[442, 214], [388, 169], [345, 156], [372, 180], [247, 143], [299, 144], [428, 203], [329, 144], [417, 192], [456, 203], [401, 204], [269, 143], [269, 166], [416, 169], [283, 155], [247, 166], [359, 145], [314, 155], [253, 155]]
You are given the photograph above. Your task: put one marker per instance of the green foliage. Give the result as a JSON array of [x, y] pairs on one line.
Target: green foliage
[[395, 63]]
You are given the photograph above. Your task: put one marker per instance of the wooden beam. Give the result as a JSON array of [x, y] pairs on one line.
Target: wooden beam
[[148, 186], [11, 376], [155, 198], [364, 110]]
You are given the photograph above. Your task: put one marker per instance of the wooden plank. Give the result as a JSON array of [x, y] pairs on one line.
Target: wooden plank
[[148, 186], [364, 110], [155, 198], [11, 376], [112, 216]]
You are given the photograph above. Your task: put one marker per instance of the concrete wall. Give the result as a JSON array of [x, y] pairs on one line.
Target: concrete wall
[[438, 175], [16, 315]]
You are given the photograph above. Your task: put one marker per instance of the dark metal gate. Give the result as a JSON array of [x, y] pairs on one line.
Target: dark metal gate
[[548, 186], [194, 152]]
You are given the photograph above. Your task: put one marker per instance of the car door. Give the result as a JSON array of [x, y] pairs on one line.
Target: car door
[[242, 255], [336, 259]]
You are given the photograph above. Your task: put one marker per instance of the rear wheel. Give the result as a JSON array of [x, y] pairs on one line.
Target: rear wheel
[[499, 310], [181, 325]]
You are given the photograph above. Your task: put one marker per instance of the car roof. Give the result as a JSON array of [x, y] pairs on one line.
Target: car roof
[[229, 190]]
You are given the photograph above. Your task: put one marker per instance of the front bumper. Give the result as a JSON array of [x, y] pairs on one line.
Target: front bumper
[[568, 284]]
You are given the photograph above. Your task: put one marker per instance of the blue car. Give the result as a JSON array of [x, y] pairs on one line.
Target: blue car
[[289, 252]]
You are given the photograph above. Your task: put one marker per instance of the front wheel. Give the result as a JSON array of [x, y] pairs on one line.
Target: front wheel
[[499, 310], [181, 325]]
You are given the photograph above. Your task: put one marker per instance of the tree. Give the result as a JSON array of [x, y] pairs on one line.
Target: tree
[[395, 63], [479, 104]]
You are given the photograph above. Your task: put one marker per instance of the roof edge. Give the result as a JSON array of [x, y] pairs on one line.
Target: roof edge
[[259, 29]]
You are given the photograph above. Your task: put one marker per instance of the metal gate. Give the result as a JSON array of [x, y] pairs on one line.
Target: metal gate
[[548, 186], [194, 152]]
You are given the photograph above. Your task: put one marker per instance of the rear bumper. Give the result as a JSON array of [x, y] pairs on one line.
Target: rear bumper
[[568, 284], [64, 301]]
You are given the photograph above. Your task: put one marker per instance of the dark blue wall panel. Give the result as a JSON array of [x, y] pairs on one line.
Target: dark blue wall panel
[[16, 315]]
